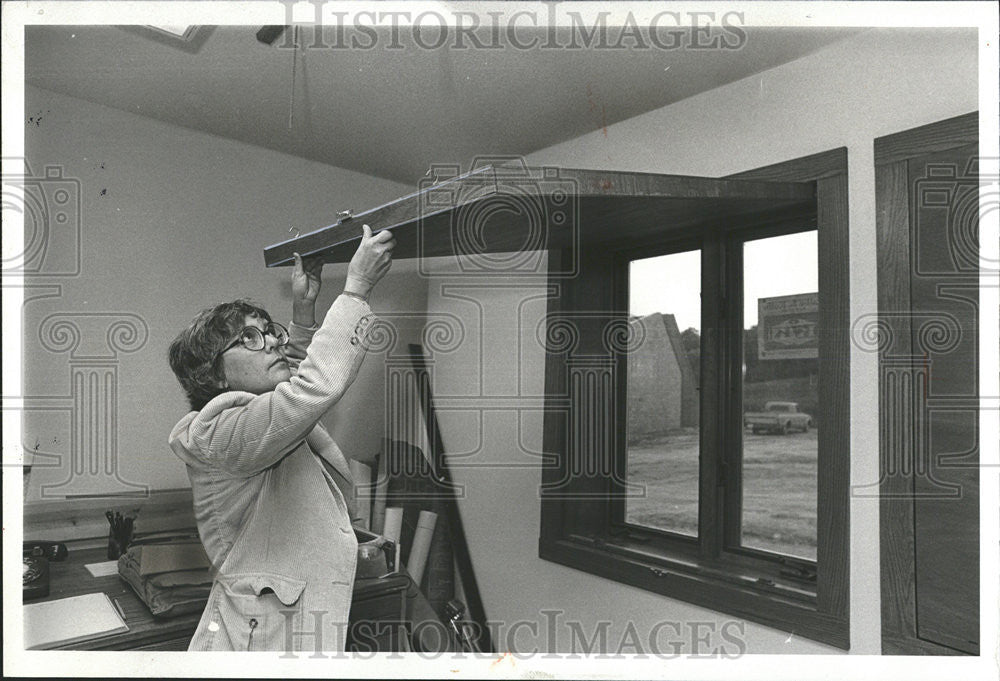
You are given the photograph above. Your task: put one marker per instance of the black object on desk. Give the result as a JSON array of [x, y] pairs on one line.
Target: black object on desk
[[35, 577], [50, 550]]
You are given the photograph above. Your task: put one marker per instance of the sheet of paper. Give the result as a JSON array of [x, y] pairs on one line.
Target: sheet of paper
[[66, 620], [104, 569]]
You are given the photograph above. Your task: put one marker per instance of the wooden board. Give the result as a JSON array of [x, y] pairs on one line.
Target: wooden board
[[944, 288], [927, 389], [498, 209]]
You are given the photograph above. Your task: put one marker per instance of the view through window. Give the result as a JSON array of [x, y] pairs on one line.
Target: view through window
[[780, 394], [777, 397], [662, 443]]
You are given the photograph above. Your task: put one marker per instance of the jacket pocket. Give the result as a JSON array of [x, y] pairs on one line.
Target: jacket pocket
[[257, 611]]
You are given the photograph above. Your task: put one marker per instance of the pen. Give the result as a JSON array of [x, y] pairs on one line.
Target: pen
[[118, 607]]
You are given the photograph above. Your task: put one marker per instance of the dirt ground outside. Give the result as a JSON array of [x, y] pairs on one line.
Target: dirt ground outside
[[779, 488]]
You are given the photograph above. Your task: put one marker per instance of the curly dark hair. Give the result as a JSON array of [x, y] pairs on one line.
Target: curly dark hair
[[194, 354]]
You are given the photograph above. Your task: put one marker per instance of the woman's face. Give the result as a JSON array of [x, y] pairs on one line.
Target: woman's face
[[256, 371]]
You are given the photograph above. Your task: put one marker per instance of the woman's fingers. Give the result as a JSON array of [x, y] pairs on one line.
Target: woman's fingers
[[314, 264], [382, 237], [370, 261]]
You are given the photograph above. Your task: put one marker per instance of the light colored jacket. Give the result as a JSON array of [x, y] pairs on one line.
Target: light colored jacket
[[269, 489]]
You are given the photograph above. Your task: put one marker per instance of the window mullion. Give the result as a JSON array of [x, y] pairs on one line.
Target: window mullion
[[710, 497]]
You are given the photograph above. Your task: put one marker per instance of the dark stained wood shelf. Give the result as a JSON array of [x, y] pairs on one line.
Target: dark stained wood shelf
[[496, 209]]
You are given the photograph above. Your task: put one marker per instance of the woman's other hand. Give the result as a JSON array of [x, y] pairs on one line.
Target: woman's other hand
[[306, 283], [370, 263]]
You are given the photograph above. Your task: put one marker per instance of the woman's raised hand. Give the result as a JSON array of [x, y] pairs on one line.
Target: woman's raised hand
[[371, 261], [306, 282], [306, 277]]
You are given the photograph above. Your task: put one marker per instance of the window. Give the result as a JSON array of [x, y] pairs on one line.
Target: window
[[775, 451], [704, 455]]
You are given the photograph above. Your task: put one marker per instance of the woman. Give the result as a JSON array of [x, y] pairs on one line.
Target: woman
[[272, 491]]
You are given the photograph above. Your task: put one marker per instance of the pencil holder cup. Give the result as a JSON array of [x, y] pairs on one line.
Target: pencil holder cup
[[118, 543], [114, 549]]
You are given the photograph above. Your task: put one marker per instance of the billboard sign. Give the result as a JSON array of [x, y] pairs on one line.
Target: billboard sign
[[787, 326]]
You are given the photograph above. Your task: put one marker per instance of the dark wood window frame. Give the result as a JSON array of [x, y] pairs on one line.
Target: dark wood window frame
[[583, 529], [898, 460]]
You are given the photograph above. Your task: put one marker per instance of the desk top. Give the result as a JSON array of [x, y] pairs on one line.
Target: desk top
[[71, 578]]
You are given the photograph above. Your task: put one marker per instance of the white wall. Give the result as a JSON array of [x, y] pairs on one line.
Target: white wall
[[871, 85], [172, 221]]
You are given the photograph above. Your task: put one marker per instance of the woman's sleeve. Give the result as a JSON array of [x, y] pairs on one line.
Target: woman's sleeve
[[246, 439], [299, 338]]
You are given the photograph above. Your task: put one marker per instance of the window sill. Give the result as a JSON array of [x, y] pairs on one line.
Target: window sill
[[783, 607]]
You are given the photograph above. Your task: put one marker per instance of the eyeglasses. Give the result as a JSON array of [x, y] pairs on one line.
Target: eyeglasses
[[252, 337]]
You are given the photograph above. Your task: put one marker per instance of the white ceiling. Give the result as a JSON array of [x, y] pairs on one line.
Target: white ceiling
[[385, 112]]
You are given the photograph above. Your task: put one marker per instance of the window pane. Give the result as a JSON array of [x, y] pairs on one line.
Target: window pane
[[662, 441], [780, 394]]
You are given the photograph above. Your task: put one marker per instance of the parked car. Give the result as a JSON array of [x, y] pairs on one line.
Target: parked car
[[778, 417]]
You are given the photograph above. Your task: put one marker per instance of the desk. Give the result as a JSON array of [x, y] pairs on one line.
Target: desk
[[375, 600]]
